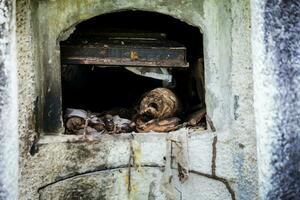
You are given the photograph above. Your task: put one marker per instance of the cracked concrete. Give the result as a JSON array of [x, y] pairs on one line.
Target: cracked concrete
[[222, 164], [75, 159], [62, 185], [214, 156], [113, 183]]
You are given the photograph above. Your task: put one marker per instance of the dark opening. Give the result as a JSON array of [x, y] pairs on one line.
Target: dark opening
[[102, 88]]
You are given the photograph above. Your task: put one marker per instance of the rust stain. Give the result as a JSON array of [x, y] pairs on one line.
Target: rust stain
[[134, 55], [133, 187], [136, 148]]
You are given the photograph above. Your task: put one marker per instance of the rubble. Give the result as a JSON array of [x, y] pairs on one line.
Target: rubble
[[157, 111]]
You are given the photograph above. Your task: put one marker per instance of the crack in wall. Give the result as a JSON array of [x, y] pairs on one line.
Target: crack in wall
[[224, 181], [132, 164], [213, 170], [91, 172], [214, 156]]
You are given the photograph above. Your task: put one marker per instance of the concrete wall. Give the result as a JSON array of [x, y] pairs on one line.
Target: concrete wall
[[222, 164], [8, 103], [276, 84]]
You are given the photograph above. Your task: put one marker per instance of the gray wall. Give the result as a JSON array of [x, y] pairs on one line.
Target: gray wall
[[223, 163], [276, 59], [8, 103]]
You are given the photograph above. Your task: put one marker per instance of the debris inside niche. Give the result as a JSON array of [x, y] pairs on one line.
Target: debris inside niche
[[159, 111]]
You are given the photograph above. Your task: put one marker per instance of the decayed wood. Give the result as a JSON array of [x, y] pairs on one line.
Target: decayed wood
[[195, 118], [125, 52], [199, 79], [160, 103], [165, 125]]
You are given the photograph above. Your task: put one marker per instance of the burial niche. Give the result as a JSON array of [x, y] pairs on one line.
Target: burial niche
[[132, 71]]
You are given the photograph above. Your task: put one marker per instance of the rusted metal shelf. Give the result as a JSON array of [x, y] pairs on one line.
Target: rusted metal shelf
[[124, 51]]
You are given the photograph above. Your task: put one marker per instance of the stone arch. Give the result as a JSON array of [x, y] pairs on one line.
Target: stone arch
[[68, 28]]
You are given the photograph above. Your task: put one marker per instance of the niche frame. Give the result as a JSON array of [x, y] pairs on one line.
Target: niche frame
[[53, 27]]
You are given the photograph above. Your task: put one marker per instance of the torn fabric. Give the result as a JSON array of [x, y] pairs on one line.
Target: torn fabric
[[151, 72]]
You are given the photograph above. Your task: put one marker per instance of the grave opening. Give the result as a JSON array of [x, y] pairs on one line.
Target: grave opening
[[138, 68]]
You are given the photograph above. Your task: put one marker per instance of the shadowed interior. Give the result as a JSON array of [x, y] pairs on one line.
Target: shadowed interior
[[98, 88]]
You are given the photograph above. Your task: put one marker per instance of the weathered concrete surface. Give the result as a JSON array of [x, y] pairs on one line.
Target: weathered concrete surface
[[107, 184], [276, 42], [225, 161], [202, 187], [71, 161], [201, 152], [145, 184], [26, 74], [236, 147], [8, 103]]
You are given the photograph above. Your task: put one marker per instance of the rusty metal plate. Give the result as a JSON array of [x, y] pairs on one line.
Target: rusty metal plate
[[125, 52]]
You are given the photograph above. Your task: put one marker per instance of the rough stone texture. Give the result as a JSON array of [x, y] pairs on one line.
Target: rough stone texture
[[202, 187], [27, 87], [217, 53], [236, 147], [70, 159], [26, 74], [224, 156], [108, 184], [222, 167], [113, 184], [73, 164], [8, 103], [200, 152], [276, 84]]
